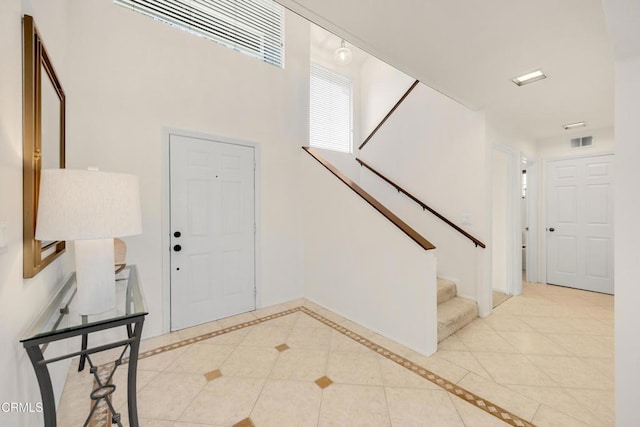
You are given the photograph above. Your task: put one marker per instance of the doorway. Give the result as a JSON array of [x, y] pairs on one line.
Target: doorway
[[514, 217], [579, 229], [212, 226], [506, 249], [529, 218]]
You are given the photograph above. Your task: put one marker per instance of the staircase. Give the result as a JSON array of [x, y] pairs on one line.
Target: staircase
[[454, 312]]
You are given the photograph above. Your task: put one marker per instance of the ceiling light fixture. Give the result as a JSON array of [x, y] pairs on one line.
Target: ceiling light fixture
[[574, 125], [343, 54], [531, 77]]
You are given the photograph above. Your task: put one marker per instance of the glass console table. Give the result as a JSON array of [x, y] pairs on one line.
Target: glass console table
[[60, 321]]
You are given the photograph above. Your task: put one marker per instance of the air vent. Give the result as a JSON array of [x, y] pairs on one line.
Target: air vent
[[585, 141]]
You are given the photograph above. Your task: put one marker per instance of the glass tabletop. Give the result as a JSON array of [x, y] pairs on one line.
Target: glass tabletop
[[61, 315]]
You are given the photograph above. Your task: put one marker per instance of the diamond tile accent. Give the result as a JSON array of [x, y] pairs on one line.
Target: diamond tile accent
[[210, 376], [244, 423], [282, 347], [323, 382]]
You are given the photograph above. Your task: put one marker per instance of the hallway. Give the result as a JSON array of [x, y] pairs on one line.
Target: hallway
[[545, 358]]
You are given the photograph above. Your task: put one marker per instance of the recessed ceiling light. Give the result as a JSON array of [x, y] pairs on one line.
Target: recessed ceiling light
[[531, 77], [574, 125]]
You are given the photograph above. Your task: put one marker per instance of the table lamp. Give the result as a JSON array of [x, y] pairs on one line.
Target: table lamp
[[91, 208]]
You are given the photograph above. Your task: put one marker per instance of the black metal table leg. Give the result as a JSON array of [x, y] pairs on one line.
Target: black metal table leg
[[46, 329], [85, 339], [44, 382], [134, 348], [83, 357]]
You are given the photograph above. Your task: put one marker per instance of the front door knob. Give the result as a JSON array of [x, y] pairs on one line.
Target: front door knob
[[552, 229], [177, 248]]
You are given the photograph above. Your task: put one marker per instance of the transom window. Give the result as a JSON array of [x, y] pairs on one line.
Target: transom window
[[330, 110], [253, 27]]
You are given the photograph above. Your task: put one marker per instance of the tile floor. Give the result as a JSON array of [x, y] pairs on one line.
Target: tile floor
[[544, 358], [499, 298]]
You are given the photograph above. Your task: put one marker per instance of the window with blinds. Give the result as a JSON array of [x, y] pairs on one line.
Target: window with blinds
[[253, 27], [330, 110]]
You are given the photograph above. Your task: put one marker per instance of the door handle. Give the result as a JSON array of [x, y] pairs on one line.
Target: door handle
[[177, 248], [177, 234], [552, 229]]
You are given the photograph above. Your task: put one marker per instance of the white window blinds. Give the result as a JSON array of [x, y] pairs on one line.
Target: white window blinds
[[330, 110], [253, 27]]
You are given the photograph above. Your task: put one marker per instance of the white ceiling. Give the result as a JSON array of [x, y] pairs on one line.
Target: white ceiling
[[470, 50]]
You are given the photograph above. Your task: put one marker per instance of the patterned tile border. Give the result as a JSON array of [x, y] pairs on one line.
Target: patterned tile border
[[472, 398], [213, 334]]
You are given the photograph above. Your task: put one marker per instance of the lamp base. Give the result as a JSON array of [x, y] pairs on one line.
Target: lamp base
[[95, 276]]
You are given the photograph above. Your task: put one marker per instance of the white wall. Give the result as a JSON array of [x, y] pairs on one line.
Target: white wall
[[435, 148], [21, 300], [498, 135], [358, 264], [559, 146], [622, 22], [132, 76], [627, 236], [501, 221], [382, 86]]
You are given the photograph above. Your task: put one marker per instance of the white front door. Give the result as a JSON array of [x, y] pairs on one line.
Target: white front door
[[212, 230], [580, 223]]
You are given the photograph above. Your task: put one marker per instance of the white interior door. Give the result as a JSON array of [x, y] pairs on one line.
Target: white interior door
[[580, 223], [212, 230]]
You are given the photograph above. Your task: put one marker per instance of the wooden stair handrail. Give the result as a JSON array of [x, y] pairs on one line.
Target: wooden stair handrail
[[389, 113], [414, 235], [422, 204]]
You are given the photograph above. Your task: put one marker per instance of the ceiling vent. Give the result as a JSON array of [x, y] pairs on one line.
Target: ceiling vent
[[585, 141]]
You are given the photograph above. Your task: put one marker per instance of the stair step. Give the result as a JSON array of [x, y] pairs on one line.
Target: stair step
[[454, 314], [446, 290]]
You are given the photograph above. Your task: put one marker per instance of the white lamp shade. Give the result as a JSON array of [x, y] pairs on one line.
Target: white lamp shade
[[84, 204]]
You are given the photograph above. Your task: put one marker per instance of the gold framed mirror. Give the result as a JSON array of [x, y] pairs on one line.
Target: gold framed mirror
[[43, 142]]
